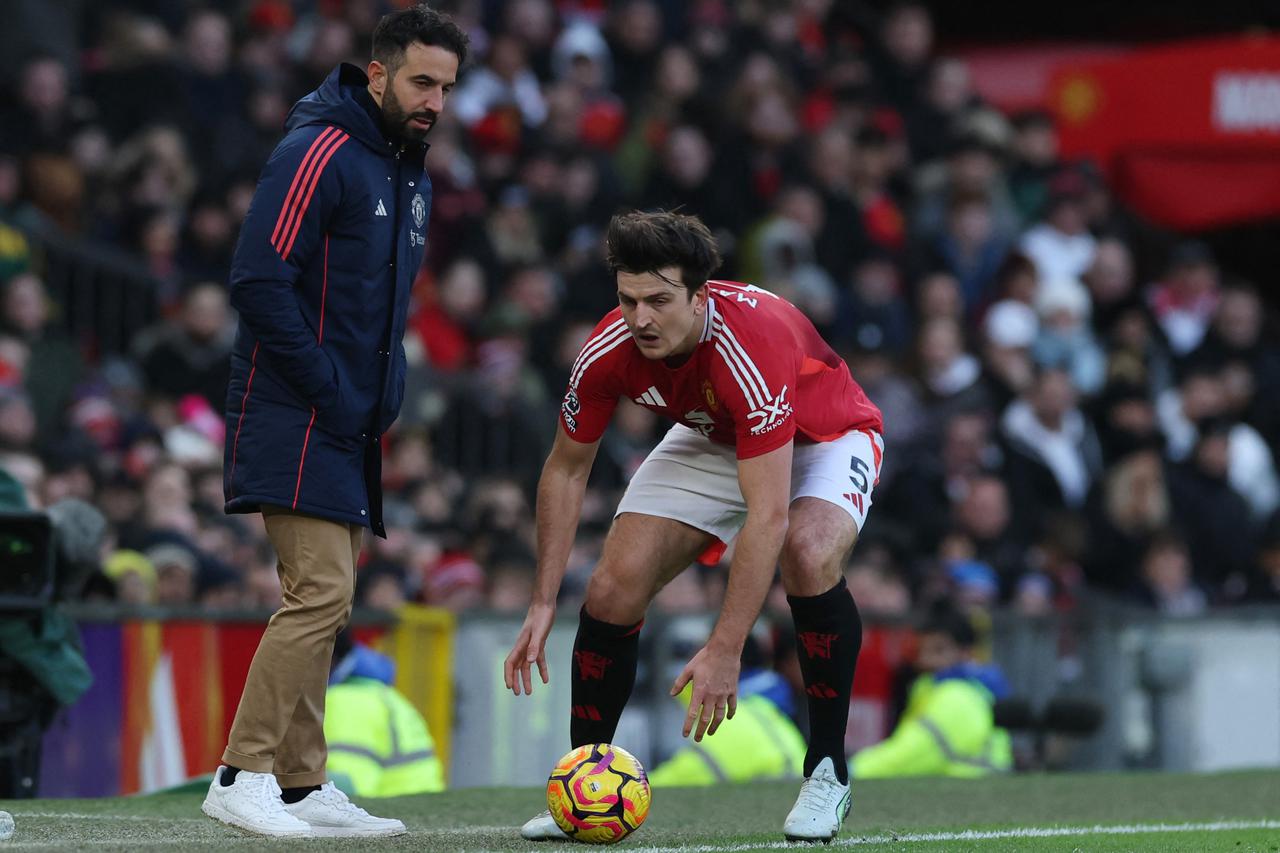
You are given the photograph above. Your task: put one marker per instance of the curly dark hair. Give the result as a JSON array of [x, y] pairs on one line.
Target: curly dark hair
[[641, 242], [397, 30]]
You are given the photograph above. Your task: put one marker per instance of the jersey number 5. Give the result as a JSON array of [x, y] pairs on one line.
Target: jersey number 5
[[859, 475]]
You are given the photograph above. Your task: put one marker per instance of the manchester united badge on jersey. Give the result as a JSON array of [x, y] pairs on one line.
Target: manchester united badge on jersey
[[709, 395]]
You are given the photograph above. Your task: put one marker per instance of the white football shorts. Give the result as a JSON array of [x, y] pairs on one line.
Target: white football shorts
[[692, 479]]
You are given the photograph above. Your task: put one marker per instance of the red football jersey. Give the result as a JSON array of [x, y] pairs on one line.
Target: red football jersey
[[760, 376]]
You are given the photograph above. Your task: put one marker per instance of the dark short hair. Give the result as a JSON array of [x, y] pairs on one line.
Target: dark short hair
[[641, 242], [397, 30]]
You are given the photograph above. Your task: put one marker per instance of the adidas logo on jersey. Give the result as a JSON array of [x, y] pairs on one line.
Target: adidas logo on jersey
[[380, 210], [651, 398]]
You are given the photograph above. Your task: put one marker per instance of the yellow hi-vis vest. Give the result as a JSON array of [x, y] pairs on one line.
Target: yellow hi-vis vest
[[379, 745], [948, 729], [760, 742]]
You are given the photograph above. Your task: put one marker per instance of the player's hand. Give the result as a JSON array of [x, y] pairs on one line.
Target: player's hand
[[715, 690], [530, 647]]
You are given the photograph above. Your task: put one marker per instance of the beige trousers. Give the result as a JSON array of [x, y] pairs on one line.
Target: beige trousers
[[279, 726]]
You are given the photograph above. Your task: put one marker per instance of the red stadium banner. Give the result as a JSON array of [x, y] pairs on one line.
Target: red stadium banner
[[1189, 134]]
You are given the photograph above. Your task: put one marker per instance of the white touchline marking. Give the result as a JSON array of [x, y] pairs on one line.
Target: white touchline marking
[[116, 842], [979, 835], [848, 841], [134, 817]]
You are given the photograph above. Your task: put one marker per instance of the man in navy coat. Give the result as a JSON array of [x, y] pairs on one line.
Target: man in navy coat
[[321, 280]]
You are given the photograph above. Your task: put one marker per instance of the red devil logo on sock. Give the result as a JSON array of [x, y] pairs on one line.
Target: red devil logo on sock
[[591, 666], [817, 645]]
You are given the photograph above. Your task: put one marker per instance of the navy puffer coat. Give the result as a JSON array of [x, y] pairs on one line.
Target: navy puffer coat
[[321, 280]]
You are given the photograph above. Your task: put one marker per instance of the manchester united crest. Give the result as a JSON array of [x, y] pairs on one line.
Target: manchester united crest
[[419, 209], [709, 395]]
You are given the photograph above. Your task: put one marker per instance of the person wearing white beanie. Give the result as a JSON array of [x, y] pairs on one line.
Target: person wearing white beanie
[[1065, 339]]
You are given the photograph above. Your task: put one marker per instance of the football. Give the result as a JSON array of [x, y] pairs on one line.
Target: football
[[598, 794]]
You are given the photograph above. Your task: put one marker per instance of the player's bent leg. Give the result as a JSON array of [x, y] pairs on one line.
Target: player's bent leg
[[641, 554], [828, 638]]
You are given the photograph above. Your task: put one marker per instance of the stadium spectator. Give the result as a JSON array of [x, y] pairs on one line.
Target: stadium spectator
[[379, 743], [936, 474], [1201, 397], [1110, 279], [948, 726], [505, 84], [983, 529], [1126, 510], [175, 568], [971, 168], [1060, 244], [1167, 583], [53, 365], [872, 311], [970, 247], [876, 163], [1010, 330], [1035, 160], [1238, 341], [1046, 433], [949, 375], [191, 356], [1184, 302], [1065, 339], [43, 117], [1212, 516]]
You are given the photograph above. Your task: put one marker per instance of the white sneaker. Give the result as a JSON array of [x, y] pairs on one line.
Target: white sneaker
[[542, 828], [821, 807], [252, 803], [331, 815]]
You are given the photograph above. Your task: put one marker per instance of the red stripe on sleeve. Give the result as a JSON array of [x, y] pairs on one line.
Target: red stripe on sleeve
[[296, 225], [297, 179]]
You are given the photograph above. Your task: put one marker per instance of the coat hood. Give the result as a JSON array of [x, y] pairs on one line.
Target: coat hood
[[336, 102]]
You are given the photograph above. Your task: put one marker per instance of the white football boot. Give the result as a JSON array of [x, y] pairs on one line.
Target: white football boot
[[821, 807], [252, 803], [542, 828], [330, 814]]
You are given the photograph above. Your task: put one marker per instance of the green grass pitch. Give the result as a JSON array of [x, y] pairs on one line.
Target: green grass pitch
[[1089, 812]]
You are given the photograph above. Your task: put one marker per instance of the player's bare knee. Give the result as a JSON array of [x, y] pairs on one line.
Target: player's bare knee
[[610, 599], [810, 565]]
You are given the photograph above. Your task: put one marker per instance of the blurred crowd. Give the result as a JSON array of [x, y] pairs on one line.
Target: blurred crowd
[[1076, 404]]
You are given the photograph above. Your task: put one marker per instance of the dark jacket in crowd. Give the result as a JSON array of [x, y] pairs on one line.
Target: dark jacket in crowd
[[321, 280]]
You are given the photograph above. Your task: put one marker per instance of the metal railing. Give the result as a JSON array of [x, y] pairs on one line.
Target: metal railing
[[105, 296]]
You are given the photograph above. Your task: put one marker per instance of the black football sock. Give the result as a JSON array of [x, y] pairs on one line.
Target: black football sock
[[228, 777], [828, 637], [297, 795], [604, 671]]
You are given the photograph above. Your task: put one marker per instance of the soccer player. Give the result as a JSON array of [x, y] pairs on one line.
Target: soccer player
[[774, 443], [321, 279]]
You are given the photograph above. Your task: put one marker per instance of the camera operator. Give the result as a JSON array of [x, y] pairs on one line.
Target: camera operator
[[44, 560]]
